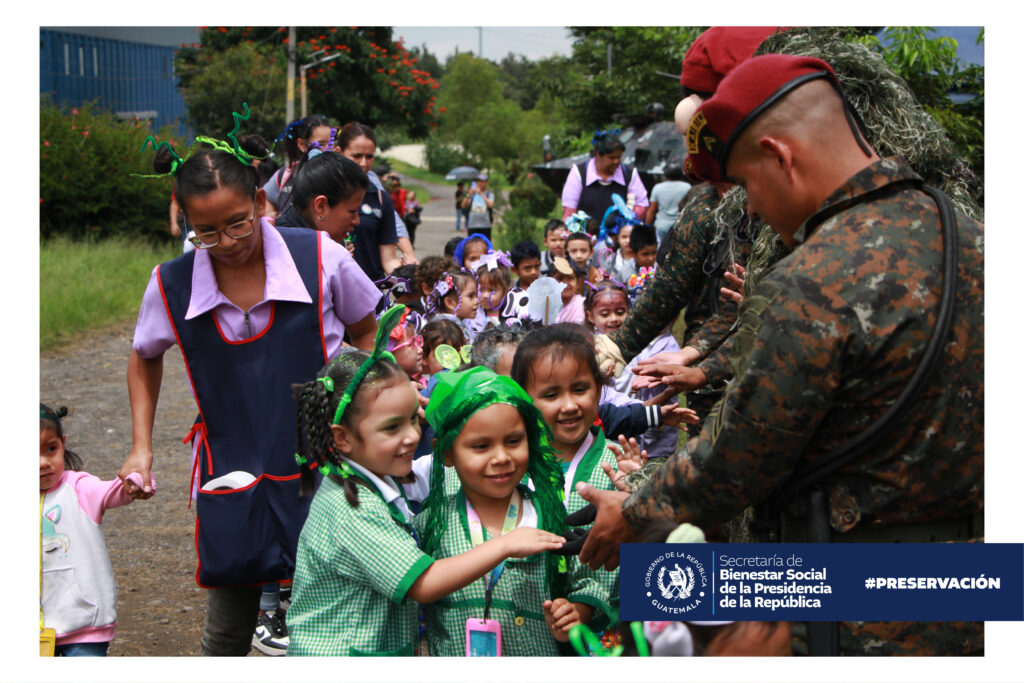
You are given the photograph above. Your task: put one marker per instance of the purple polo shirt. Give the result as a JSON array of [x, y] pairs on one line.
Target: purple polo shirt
[[348, 296], [574, 186]]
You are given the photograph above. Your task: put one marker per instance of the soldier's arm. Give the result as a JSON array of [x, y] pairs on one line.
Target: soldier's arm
[[678, 280], [715, 329], [787, 369]]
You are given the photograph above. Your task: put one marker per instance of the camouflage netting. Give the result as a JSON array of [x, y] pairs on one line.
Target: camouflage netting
[[896, 126]]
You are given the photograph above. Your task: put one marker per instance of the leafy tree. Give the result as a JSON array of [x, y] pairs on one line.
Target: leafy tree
[[371, 79], [951, 91], [427, 60], [254, 77], [594, 93], [518, 79]]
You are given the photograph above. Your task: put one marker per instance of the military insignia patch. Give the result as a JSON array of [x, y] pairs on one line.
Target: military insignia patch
[[697, 124]]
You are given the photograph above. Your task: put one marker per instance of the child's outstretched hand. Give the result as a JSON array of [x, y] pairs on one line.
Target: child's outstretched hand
[[628, 458], [560, 615], [675, 415], [526, 541]]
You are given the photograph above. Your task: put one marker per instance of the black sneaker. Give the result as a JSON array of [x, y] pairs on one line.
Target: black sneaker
[[271, 636]]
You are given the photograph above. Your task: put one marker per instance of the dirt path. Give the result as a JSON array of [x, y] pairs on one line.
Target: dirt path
[[160, 607], [151, 543]]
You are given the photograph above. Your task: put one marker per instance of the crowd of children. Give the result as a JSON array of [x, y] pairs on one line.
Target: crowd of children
[[437, 452]]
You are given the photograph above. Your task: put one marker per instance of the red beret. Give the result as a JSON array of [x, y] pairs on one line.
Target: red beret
[[750, 89], [717, 51]]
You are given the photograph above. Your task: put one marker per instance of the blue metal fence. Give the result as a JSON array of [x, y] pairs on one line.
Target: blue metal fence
[[131, 79]]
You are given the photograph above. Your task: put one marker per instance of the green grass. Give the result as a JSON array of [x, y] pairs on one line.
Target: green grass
[[418, 173], [89, 285]]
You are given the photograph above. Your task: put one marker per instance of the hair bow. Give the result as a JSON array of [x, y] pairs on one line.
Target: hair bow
[[394, 287], [600, 134], [492, 259], [577, 222]]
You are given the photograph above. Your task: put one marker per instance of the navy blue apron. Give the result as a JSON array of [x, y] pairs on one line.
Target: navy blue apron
[[597, 197], [248, 535]]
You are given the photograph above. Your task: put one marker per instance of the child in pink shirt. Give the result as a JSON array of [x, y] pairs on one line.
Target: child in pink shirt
[[78, 600]]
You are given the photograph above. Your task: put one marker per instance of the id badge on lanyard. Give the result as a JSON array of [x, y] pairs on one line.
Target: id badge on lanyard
[[483, 636]]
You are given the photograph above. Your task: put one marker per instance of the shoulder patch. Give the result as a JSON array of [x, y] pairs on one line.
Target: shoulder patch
[[750, 325], [697, 124]]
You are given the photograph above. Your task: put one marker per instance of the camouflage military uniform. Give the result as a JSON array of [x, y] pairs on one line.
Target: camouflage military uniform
[[680, 280], [825, 346]]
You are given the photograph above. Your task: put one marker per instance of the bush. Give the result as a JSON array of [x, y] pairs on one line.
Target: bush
[[85, 187], [531, 192], [517, 225], [442, 157]]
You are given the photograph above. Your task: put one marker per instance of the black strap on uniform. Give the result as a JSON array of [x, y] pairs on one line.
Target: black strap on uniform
[[813, 472], [823, 637]]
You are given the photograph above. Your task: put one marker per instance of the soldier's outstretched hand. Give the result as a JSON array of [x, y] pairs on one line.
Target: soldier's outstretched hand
[[610, 527]]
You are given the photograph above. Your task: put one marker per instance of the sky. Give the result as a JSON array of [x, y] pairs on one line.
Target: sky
[[533, 42]]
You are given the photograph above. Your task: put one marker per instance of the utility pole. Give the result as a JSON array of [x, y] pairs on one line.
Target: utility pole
[[302, 80], [289, 107], [609, 58], [480, 42]]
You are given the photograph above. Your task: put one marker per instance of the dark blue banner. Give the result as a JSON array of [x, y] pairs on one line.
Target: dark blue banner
[[822, 581]]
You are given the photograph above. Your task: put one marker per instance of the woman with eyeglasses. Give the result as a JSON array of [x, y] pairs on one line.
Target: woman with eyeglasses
[[253, 310]]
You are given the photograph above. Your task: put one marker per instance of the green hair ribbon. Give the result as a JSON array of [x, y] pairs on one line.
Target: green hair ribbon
[[387, 322], [342, 469]]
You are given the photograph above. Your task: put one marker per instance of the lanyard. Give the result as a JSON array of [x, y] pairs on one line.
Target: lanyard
[[476, 535]]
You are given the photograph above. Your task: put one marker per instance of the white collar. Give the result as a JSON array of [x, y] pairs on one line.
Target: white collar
[[575, 462], [387, 491]]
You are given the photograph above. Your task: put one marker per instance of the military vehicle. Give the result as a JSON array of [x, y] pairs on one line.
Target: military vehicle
[[651, 144]]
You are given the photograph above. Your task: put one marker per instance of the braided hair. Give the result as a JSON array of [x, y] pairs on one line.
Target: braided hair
[[318, 401]]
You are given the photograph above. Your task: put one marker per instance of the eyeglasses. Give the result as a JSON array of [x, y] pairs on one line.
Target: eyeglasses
[[211, 238], [416, 341]]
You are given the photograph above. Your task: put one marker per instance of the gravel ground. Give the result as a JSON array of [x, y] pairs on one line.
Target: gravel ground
[[160, 606], [151, 542]]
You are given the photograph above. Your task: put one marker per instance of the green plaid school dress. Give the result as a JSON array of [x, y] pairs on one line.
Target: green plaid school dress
[[517, 598], [589, 470], [353, 568]]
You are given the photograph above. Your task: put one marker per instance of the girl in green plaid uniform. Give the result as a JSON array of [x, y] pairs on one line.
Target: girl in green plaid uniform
[[490, 432], [359, 572], [557, 367]]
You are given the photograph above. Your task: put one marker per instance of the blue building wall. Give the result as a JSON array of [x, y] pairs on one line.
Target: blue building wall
[[121, 75]]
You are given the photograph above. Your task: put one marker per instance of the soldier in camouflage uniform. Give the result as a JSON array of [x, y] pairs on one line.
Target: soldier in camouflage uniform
[[828, 342], [895, 124]]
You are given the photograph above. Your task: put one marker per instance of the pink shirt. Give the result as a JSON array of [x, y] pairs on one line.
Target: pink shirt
[[574, 185], [572, 312], [348, 296]]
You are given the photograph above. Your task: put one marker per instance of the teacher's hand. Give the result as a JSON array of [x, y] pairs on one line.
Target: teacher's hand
[[610, 527], [139, 463]]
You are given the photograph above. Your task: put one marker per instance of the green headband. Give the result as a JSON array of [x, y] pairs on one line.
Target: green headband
[[385, 324]]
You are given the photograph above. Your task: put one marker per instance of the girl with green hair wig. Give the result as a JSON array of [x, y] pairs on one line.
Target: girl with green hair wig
[[534, 599]]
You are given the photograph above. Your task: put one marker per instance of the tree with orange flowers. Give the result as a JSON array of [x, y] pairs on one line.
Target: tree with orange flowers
[[373, 79]]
